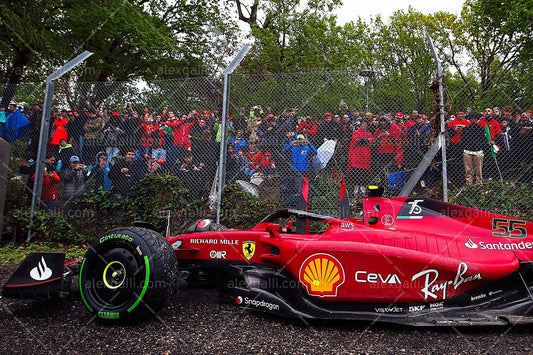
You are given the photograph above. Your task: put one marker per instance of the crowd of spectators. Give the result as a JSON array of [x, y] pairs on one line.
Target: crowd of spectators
[[118, 147]]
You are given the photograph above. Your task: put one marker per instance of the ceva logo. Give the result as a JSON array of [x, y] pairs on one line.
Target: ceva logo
[[470, 244]]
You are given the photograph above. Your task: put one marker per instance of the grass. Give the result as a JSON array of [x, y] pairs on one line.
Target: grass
[[12, 254]]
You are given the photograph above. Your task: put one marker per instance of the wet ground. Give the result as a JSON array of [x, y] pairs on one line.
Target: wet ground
[[196, 323]]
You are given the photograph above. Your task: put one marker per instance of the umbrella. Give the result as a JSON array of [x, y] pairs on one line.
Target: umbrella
[[324, 154]]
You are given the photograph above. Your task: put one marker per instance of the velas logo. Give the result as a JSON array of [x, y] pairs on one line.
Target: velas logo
[[322, 274], [470, 244], [41, 272], [248, 249]]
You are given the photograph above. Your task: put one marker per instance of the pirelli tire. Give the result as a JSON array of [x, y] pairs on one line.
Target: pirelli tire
[[129, 273]]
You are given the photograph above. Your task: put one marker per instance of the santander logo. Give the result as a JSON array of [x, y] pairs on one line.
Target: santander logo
[[470, 244], [41, 272]]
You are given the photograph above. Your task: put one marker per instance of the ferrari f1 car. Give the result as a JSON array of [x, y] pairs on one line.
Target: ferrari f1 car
[[413, 261]]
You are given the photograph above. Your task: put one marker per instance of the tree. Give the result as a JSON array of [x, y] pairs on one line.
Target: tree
[[293, 35], [491, 37], [25, 41], [147, 39], [401, 51]]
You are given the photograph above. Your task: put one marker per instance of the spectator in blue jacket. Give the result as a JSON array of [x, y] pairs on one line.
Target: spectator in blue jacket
[[301, 151], [238, 141]]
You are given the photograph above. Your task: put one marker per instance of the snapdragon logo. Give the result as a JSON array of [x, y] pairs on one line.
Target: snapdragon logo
[[471, 245], [259, 303]]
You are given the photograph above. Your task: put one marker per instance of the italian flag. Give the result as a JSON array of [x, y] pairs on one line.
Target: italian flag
[[489, 138]]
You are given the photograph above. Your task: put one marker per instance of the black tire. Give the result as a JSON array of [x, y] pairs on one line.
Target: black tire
[[129, 273]]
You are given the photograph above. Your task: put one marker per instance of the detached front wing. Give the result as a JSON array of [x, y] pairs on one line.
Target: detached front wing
[[506, 301], [40, 276]]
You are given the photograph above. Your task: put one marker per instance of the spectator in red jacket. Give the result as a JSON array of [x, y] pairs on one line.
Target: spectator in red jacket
[[454, 152], [60, 131], [268, 164], [308, 128], [181, 130], [50, 179], [386, 138], [359, 159]]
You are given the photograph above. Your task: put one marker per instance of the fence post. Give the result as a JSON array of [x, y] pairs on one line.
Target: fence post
[[442, 135], [43, 139], [5, 151], [225, 112]]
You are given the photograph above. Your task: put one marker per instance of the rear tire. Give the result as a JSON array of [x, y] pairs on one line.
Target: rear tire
[[128, 273]]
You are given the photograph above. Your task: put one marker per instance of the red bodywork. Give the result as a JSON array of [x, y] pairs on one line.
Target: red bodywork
[[401, 250]]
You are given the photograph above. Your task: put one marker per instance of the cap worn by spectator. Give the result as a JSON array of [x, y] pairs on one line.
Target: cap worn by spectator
[[300, 136], [399, 115], [207, 112], [115, 113], [327, 114], [74, 159]]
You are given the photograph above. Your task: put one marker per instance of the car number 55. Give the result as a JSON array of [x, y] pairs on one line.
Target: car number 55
[[502, 227]]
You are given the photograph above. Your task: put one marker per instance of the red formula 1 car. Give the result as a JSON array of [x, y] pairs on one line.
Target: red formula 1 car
[[413, 261]]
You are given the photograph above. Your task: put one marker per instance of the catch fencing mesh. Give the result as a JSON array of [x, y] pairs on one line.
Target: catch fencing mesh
[[282, 128]]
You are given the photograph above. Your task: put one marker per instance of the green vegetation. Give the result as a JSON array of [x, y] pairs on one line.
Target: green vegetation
[[486, 50], [12, 254], [242, 210], [509, 199]]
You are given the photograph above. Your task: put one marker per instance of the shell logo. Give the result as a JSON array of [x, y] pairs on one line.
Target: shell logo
[[322, 274]]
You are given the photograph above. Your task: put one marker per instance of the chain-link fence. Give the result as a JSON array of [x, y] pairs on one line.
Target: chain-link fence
[[282, 128]]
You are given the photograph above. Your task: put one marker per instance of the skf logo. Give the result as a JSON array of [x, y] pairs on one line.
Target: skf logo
[[322, 274], [248, 249], [347, 226]]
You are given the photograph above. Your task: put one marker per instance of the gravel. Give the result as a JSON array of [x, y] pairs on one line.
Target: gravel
[[196, 323]]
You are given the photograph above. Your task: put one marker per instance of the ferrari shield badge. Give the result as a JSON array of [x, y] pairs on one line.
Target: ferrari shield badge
[[248, 249]]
